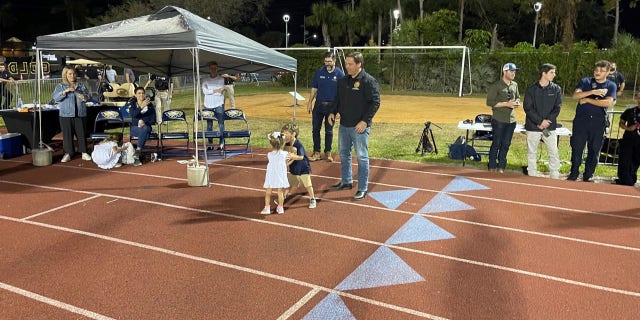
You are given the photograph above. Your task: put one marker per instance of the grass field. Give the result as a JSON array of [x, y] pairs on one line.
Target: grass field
[[397, 126]]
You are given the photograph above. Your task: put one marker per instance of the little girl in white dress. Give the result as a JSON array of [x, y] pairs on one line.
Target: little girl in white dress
[[107, 154], [276, 176]]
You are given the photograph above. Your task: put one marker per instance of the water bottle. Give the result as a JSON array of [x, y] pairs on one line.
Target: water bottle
[[19, 102]]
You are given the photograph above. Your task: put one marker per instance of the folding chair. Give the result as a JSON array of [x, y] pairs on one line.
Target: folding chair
[[174, 126], [214, 133], [479, 135], [105, 118], [237, 132]]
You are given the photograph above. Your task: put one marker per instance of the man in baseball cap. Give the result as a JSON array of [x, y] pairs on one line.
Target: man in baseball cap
[[509, 67], [503, 96]]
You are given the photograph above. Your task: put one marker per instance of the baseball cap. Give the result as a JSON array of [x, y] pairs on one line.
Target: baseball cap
[[509, 66]]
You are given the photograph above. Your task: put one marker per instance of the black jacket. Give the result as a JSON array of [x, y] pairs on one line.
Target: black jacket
[[358, 99], [542, 103]]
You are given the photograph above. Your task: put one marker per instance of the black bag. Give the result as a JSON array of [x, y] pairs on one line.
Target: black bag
[[456, 152]]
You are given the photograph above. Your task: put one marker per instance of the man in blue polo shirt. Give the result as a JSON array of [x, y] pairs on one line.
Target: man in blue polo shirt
[[595, 94], [323, 90]]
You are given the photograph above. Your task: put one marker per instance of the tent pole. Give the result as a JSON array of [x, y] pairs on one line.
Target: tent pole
[[295, 96]]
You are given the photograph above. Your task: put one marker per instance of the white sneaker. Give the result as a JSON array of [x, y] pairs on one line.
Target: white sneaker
[[312, 203], [266, 210], [86, 157], [66, 158], [154, 157], [118, 165], [280, 210]]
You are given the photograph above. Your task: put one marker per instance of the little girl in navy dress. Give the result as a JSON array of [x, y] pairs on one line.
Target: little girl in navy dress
[[276, 177]]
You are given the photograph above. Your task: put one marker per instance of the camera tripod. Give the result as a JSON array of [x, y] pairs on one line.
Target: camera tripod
[[427, 143]]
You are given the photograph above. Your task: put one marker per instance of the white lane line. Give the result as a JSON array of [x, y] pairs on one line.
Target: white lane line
[[350, 203], [543, 186], [53, 302], [296, 306], [61, 207], [529, 204], [221, 264], [581, 192]]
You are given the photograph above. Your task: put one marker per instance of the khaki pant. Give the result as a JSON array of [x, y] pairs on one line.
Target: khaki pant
[[161, 103], [533, 140], [230, 94]]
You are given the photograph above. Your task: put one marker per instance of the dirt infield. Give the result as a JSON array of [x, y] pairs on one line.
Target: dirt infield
[[393, 109]]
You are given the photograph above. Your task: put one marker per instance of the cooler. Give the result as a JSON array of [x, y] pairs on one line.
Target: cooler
[[10, 145]]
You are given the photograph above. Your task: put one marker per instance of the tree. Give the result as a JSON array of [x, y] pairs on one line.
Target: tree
[[615, 5], [561, 15], [348, 29], [323, 15], [76, 11], [461, 20], [7, 17]]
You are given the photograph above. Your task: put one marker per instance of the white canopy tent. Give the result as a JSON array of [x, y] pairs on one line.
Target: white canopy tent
[[172, 41]]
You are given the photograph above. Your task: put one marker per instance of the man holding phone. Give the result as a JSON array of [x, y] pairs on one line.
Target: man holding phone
[[143, 117], [542, 103], [503, 97]]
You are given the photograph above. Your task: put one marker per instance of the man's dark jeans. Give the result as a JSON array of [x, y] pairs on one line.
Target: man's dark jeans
[[502, 134], [320, 114]]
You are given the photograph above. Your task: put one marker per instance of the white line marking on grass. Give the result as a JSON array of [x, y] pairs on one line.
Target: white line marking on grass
[[224, 265], [52, 302]]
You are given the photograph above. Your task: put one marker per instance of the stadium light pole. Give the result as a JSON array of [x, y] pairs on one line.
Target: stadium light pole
[[536, 7], [396, 15], [314, 36], [286, 18]]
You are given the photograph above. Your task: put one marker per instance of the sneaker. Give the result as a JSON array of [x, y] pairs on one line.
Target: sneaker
[[118, 165], [266, 210], [312, 203], [154, 157], [280, 210], [86, 157], [66, 158], [501, 170], [554, 175], [136, 162], [327, 157], [315, 156]]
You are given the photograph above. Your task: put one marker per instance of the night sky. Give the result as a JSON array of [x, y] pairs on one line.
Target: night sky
[[33, 18]]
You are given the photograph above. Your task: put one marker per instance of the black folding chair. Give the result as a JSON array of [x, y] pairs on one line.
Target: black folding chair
[[104, 119], [480, 135], [237, 132], [174, 126]]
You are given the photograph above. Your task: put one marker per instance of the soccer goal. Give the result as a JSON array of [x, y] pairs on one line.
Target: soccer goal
[[434, 69]]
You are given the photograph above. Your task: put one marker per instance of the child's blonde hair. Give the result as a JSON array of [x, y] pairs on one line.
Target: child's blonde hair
[[291, 127], [112, 137], [276, 139]]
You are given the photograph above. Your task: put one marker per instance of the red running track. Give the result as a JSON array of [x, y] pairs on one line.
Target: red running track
[[138, 243]]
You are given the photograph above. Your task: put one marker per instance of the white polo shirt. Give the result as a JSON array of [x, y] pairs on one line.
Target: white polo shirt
[[213, 99]]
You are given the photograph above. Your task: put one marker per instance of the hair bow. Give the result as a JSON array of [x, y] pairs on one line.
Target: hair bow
[[274, 134]]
